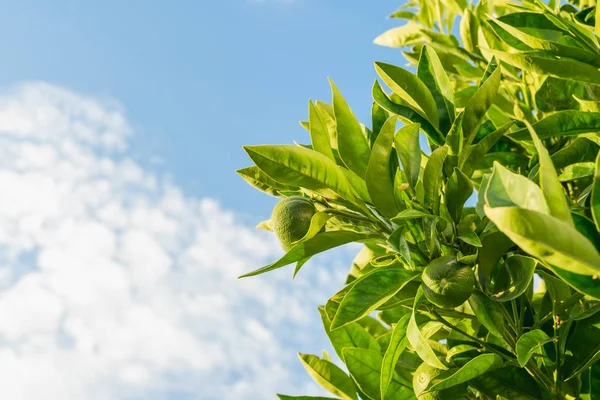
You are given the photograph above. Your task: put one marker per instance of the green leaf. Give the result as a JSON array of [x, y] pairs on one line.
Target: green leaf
[[595, 356], [595, 199], [298, 166], [586, 227], [562, 123], [321, 242], [378, 117], [319, 134], [507, 189], [514, 277], [483, 185], [528, 344], [510, 383], [458, 190], [577, 151], [479, 104], [407, 114], [379, 178], [585, 284], [352, 143], [488, 313], [493, 247], [401, 36], [329, 376], [409, 151], [369, 292], [534, 62], [551, 186], [357, 183], [410, 89], [547, 238], [398, 343], [460, 349], [255, 177], [469, 29], [432, 175], [470, 238], [431, 72], [351, 335], [577, 171], [417, 340], [473, 154], [472, 369], [317, 222], [365, 366], [411, 214], [510, 34]]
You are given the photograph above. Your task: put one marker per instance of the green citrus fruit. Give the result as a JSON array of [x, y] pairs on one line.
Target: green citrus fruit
[[290, 219], [447, 283], [425, 374]]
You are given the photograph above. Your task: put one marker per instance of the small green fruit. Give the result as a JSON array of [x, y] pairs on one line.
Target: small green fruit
[[290, 219], [447, 283]]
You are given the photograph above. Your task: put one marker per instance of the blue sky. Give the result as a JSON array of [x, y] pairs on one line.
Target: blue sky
[[201, 78], [123, 225]]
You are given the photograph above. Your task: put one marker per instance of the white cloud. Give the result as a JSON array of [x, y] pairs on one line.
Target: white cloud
[[115, 284]]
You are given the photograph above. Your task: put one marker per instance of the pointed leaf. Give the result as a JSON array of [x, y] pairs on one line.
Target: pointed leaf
[[410, 89], [458, 190], [295, 165], [562, 123], [514, 278], [488, 313], [432, 175], [507, 189], [351, 335], [319, 134], [473, 154], [551, 186], [472, 369], [352, 143], [409, 150], [407, 114], [329, 376], [431, 72], [412, 214], [560, 68], [321, 242], [261, 181], [317, 222], [417, 340], [528, 344], [479, 104], [401, 36], [379, 179], [398, 343], [547, 238], [364, 366], [369, 292]]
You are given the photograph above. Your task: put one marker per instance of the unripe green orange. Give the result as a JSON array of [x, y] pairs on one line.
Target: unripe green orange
[[290, 219], [447, 283]]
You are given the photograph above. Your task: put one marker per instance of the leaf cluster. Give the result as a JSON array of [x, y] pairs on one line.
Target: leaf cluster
[[487, 154]]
